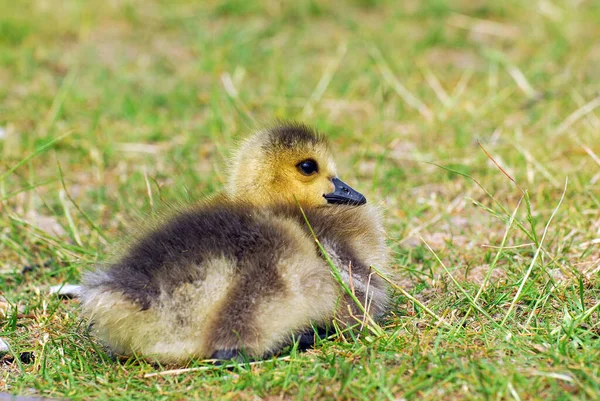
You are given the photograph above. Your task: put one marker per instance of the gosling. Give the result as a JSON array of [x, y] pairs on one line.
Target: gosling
[[240, 274]]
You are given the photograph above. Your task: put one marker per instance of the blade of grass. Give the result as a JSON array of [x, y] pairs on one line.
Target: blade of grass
[[412, 299], [72, 227], [85, 216], [410, 99], [57, 102], [324, 81], [175, 372], [462, 290], [33, 154], [29, 187], [493, 264], [578, 319], [535, 256], [373, 326], [529, 233], [576, 115]]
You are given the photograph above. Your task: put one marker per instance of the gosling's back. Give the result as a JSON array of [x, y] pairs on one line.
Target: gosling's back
[[219, 277]]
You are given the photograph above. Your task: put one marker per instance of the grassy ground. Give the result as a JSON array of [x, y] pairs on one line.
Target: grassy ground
[[109, 109]]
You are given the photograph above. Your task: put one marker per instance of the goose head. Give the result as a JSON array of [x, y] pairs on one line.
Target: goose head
[[285, 163]]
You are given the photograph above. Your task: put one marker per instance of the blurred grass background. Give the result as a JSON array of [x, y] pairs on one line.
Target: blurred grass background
[[111, 109]]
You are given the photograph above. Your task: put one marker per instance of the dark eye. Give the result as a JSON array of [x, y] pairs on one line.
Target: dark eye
[[308, 167]]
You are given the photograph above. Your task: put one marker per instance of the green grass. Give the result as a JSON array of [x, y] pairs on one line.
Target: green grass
[[110, 110]]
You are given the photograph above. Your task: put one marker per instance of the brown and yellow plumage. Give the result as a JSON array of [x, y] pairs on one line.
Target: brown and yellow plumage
[[241, 272]]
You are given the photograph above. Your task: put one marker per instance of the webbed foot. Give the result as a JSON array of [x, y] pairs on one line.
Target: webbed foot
[[308, 339], [225, 355]]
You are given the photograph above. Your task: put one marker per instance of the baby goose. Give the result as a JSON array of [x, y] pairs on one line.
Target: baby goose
[[241, 273]]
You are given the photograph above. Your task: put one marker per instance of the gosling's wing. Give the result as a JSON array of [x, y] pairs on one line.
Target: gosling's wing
[[212, 280], [354, 239]]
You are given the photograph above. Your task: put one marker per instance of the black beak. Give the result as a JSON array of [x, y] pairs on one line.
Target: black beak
[[344, 194]]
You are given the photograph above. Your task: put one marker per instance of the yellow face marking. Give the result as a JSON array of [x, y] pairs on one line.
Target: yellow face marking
[[260, 175]]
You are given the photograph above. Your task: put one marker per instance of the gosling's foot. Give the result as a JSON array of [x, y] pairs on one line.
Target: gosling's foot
[[308, 339], [223, 356]]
